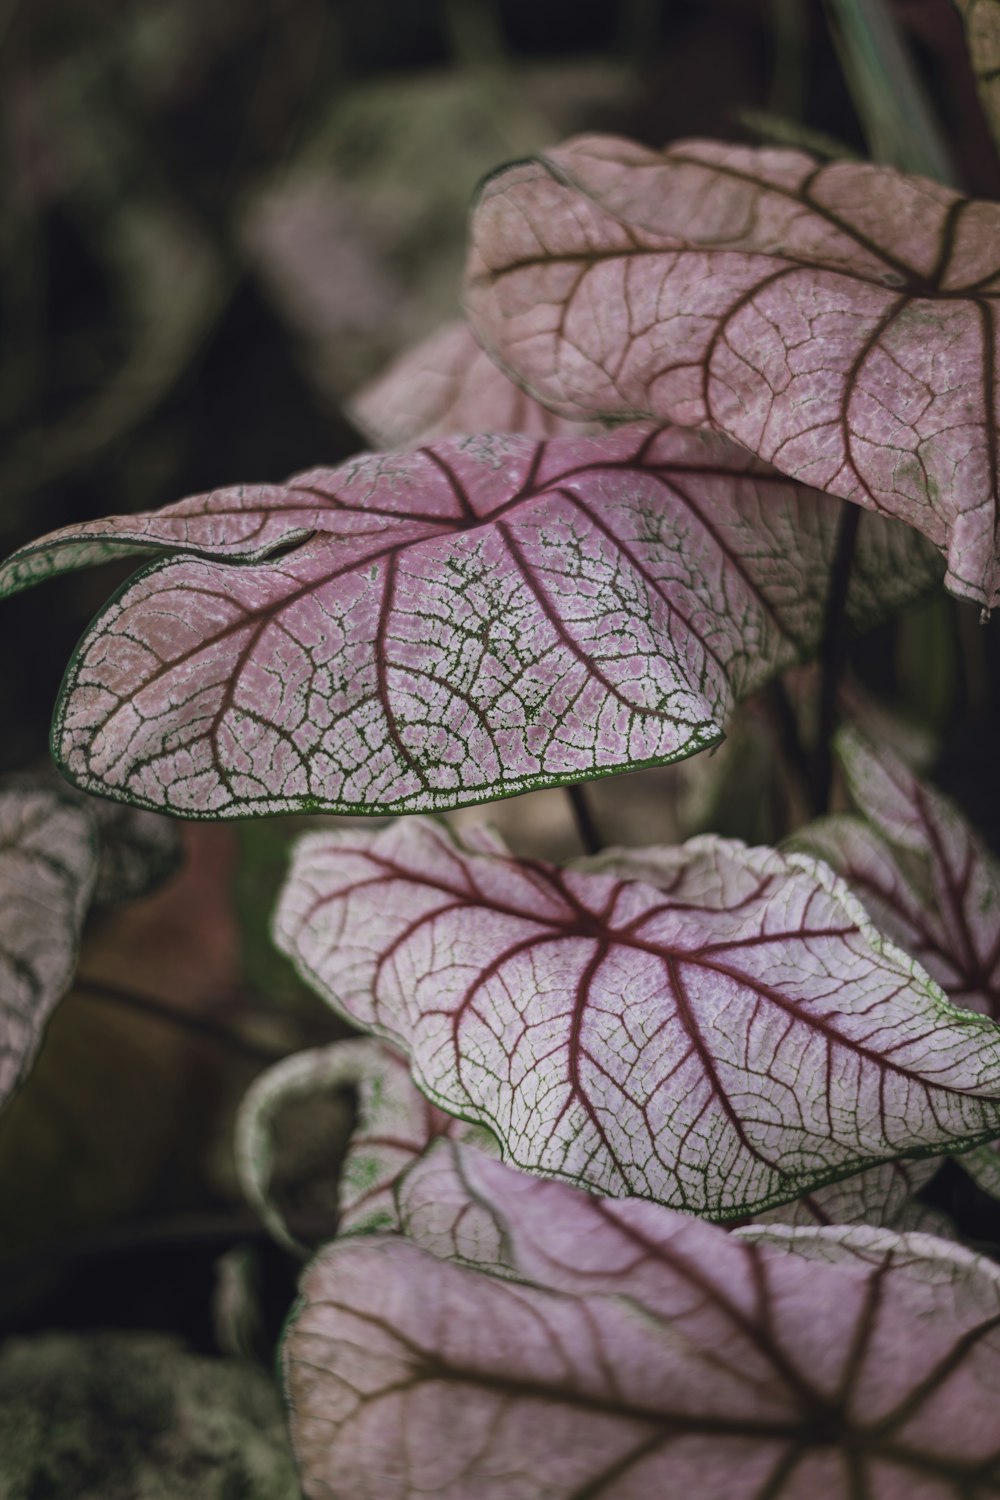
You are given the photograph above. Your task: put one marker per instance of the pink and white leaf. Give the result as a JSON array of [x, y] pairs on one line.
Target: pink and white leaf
[[919, 868], [722, 1040], [883, 1197], [839, 320], [395, 1123], [49, 865], [448, 385], [643, 1353], [464, 622]]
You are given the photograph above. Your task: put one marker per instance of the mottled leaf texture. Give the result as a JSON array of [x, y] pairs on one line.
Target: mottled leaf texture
[[462, 622], [448, 385], [49, 864], [644, 1353], [982, 31], [838, 320], [723, 1040], [919, 869], [394, 1125]]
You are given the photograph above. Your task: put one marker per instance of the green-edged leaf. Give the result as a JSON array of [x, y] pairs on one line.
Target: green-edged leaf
[[714, 1027], [925, 878], [464, 622], [393, 1126]]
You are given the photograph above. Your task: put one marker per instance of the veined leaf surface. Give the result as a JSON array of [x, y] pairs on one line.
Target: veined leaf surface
[[643, 1353], [926, 879], [464, 622], [838, 320], [447, 385], [395, 1123], [722, 1041], [49, 862], [919, 868]]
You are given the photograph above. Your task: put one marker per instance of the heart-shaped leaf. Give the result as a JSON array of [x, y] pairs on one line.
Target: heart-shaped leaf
[[644, 1353], [448, 385], [465, 622], [395, 1123], [724, 1040], [982, 31], [838, 320], [49, 862]]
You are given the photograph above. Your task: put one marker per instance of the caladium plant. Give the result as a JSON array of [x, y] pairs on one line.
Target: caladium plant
[[622, 498], [468, 621], [716, 1028], [838, 320], [621, 1350]]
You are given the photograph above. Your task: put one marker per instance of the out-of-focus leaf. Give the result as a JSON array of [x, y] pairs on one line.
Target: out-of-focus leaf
[[982, 30], [884, 1197], [446, 385], [121, 1100], [394, 1124], [838, 320], [138, 850], [714, 1027], [451, 625], [136, 1417], [49, 865], [629, 1351]]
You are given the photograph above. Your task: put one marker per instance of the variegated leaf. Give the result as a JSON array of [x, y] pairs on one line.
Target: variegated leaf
[[463, 622], [721, 1040], [629, 1352], [839, 320], [395, 1123]]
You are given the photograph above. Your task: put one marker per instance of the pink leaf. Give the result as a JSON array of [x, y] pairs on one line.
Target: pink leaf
[[49, 862], [925, 878], [921, 872], [884, 1196], [395, 1123], [643, 1354], [465, 622], [837, 320], [446, 385], [722, 1040]]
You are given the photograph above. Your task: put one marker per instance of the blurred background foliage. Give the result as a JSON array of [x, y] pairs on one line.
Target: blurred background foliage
[[218, 219]]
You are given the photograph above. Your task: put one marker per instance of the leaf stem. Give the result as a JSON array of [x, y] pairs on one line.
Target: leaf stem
[[584, 819], [832, 653], [205, 1026]]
